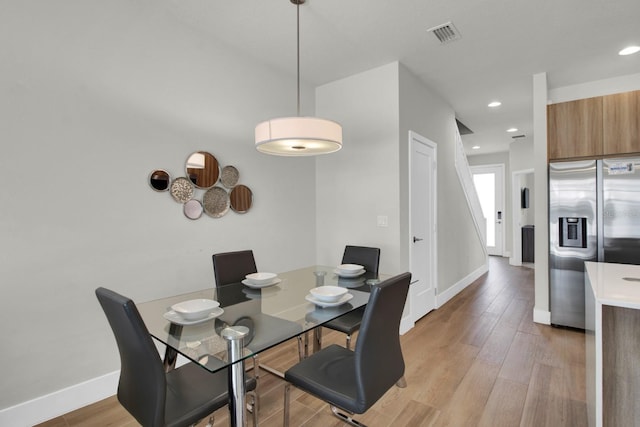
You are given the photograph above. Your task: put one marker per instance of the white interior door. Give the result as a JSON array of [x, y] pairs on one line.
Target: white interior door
[[422, 293], [489, 183]]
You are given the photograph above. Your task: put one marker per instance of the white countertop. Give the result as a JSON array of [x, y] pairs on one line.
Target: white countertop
[[609, 284]]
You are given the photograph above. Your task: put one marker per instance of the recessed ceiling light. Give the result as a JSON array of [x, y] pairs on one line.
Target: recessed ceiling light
[[475, 147], [494, 104], [512, 130], [629, 50]]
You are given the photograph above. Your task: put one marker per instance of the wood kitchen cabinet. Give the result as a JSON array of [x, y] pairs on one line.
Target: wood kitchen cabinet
[[621, 123], [574, 129]]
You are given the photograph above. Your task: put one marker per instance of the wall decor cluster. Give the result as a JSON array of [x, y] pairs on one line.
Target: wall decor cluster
[[220, 189]]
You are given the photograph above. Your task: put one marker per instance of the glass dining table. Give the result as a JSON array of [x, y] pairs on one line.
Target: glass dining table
[[252, 319]]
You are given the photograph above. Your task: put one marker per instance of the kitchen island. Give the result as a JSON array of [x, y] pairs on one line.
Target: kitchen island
[[612, 304]]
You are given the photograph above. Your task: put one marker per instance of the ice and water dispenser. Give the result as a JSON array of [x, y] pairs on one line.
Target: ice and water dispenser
[[573, 232]]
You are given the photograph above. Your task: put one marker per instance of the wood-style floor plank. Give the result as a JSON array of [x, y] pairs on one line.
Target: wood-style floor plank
[[505, 404], [479, 360]]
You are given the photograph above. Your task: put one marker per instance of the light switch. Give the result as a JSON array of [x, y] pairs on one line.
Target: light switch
[[383, 221]]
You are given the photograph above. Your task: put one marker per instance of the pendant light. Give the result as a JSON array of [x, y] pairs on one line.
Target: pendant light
[[298, 136]]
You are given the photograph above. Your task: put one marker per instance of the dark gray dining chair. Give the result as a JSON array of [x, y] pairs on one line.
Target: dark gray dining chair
[[354, 380], [265, 330], [232, 267], [369, 258], [180, 397]]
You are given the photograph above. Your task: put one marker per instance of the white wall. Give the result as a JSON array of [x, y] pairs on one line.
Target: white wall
[[603, 87], [460, 253], [520, 159], [369, 176], [93, 99], [360, 182]]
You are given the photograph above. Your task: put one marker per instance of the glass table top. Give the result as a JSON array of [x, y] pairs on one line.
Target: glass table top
[[273, 314]]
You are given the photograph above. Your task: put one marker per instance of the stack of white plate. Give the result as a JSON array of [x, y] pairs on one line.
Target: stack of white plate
[[349, 270], [328, 296], [261, 280], [194, 311]]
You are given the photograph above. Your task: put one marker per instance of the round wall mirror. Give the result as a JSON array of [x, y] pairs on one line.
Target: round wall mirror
[[203, 169], [159, 180], [241, 198]]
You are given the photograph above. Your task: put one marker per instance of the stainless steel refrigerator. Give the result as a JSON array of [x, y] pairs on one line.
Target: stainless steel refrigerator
[[594, 215]]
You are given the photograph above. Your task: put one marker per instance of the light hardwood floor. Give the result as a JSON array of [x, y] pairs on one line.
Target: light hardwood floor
[[477, 361]]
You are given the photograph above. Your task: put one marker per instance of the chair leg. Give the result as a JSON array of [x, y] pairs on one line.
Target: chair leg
[[255, 403], [256, 375], [209, 422], [346, 418], [303, 346], [402, 382], [317, 339], [348, 341], [287, 395]]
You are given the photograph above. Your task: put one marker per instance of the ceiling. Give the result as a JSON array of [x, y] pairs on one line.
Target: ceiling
[[503, 44]]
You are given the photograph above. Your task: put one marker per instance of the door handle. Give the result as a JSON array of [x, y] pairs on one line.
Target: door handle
[[416, 239]]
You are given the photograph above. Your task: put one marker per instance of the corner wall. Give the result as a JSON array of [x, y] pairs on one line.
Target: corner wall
[[369, 176], [360, 182], [460, 252]]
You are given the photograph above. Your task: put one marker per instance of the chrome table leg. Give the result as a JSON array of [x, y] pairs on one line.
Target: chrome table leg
[[235, 340]]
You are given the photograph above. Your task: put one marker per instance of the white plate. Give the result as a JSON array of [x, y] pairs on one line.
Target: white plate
[[174, 317], [350, 268], [328, 293], [261, 278], [351, 282], [345, 274], [195, 309], [341, 301], [254, 286], [260, 293]]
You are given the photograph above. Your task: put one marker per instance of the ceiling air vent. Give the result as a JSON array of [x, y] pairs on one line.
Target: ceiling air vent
[[518, 136], [445, 33]]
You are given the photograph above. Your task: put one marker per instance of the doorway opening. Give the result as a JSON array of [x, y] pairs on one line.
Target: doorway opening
[[522, 196], [489, 183]]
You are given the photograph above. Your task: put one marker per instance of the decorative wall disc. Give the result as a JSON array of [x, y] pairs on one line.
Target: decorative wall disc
[[203, 169], [182, 190], [241, 199], [193, 209], [159, 180], [229, 177], [216, 202]]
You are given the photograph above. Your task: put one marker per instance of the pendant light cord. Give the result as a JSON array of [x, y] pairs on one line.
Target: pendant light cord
[[298, 52]]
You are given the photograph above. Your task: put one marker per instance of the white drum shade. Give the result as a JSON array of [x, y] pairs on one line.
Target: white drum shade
[[298, 136]]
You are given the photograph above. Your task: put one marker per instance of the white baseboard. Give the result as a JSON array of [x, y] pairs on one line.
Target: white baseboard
[[442, 298], [60, 402], [542, 316], [406, 325], [514, 262]]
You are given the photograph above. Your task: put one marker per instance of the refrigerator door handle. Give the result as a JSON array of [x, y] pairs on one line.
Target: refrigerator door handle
[[599, 219]]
